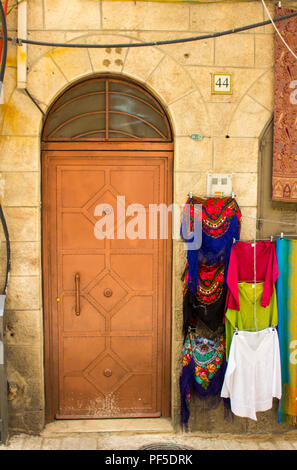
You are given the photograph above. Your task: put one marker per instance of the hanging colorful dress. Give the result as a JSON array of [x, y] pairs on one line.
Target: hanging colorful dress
[[251, 315], [202, 370], [221, 223], [251, 262], [286, 288]]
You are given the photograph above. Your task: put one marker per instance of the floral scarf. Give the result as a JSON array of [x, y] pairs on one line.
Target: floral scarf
[[203, 368], [221, 223], [210, 282], [208, 303]]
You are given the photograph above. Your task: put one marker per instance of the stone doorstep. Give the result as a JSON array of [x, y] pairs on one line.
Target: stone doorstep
[[114, 426]]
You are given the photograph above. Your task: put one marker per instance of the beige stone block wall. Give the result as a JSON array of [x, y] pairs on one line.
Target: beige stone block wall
[[180, 76]]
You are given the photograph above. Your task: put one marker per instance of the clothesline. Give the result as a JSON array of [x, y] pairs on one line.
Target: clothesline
[[270, 220]]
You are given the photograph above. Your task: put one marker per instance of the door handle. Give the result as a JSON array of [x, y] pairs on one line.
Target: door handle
[[77, 294]]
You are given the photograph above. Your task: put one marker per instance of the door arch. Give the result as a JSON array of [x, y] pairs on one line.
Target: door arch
[[106, 301]]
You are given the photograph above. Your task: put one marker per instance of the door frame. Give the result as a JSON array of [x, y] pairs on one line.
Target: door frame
[[50, 329]]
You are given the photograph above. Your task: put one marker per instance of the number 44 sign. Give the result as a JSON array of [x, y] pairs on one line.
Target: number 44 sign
[[221, 83]]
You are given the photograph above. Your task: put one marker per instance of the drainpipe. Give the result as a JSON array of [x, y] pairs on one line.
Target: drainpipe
[[22, 48]]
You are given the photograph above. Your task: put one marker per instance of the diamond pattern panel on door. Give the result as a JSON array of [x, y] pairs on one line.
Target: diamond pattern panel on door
[[108, 292], [105, 373]]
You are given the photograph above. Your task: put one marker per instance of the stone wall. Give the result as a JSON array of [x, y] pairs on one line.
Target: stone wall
[[180, 76]]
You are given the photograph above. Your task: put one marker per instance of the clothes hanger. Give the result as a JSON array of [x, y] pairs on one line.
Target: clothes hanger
[[282, 235], [236, 329], [255, 240], [190, 195]]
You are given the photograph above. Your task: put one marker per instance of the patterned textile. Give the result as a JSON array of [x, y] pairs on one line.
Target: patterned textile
[[286, 290], [203, 367], [208, 303], [211, 315], [284, 176], [210, 283], [220, 224]]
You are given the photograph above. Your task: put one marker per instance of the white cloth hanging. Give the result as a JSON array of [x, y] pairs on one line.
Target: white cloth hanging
[[253, 375]]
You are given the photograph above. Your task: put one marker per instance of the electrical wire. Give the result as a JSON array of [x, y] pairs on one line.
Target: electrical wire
[[281, 37], [6, 234], [19, 41], [278, 222], [4, 48], [5, 13], [197, 2], [2, 72]]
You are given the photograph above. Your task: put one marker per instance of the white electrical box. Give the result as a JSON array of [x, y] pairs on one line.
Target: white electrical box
[[219, 184]]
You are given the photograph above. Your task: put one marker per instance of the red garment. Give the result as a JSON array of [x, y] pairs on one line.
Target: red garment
[[241, 268]]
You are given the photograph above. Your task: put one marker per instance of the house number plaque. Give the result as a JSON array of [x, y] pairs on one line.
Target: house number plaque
[[221, 83]]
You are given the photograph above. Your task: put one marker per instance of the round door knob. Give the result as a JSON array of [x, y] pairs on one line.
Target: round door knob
[[107, 372], [107, 211], [108, 292]]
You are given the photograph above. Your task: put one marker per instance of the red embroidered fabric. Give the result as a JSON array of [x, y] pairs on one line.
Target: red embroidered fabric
[[211, 283]]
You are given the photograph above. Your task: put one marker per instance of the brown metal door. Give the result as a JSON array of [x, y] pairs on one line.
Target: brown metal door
[[107, 302]]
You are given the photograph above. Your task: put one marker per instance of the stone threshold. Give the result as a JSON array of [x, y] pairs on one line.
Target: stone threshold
[[115, 426]]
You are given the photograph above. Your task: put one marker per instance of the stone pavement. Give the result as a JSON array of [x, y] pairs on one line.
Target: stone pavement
[[107, 441], [127, 434]]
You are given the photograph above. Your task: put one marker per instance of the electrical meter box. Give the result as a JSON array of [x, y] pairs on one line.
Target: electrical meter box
[[219, 185]]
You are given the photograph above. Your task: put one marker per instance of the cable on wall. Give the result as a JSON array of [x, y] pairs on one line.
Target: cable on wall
[[4, 46], [20, 41]]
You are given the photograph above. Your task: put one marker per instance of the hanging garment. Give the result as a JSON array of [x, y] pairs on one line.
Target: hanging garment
[[286, 289], [253, 375], [241, 268], [251, 315], [209, 301], [220, 224], [202, 370], [211, 315]]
